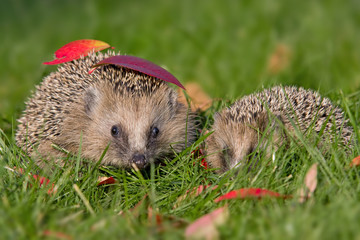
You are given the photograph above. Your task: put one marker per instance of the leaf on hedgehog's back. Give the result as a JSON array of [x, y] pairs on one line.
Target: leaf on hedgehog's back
[[140, 65], [74, 50]]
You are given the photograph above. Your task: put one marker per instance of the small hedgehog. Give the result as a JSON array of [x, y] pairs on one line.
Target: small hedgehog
[[239, 129], [135, 115]]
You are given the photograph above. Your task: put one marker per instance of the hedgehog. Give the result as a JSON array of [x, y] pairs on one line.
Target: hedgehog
[[265, 120], [135, 117]]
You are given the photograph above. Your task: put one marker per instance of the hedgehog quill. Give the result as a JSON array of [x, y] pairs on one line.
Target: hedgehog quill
[[136, 115], [260, 122]]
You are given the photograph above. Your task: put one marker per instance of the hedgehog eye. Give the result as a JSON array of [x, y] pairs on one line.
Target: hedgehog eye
[[114, 131], [154, 132]]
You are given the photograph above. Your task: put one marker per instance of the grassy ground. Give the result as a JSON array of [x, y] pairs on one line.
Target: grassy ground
[[226, 48]]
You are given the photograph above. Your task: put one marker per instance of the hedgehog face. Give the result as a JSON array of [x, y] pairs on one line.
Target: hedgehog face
[[230, 144], [137, 128], [233, 140]]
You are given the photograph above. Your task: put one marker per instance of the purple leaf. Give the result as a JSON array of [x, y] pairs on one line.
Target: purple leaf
[[140, 65]]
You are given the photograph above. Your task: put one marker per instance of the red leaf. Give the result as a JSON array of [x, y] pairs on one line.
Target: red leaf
[[244, 193], [140, 65], [199, 153], [74, 50], [106, 181], [157, 216], [42, 181], [205, 226], [355, 162], [56, 235], [204, 163]]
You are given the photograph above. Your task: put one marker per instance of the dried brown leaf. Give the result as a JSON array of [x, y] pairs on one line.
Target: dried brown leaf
[[279, 59], [310, 183], [199, 99]]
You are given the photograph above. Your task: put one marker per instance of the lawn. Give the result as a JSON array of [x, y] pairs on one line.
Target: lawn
[[230, 48]]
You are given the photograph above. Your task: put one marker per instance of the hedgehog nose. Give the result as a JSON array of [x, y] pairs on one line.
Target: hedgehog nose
[[139, 160]]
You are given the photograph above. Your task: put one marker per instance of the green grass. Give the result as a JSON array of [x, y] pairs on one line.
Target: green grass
[[222, 45]]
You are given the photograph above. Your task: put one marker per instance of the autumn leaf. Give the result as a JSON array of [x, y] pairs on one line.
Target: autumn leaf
[[205, 227], [198, 153], [140, 65], [154, 215], [199, 99], [74, 50], [355, 162], [244, 193], [106, 181], [41, 181], [279, 59], [56, 235], [310, 183]]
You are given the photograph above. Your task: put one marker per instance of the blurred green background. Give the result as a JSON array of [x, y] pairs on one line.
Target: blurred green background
[[225, 46]]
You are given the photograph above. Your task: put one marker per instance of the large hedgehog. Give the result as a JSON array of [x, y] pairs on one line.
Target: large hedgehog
[[136, 115], [247, 125]]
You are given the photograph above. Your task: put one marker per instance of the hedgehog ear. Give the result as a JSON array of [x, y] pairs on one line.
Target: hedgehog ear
[[173, 99], [91, 98], [276, 121], [216, 116], [273, 128], [271, 121]]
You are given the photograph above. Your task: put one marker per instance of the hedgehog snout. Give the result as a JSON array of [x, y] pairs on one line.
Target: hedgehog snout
[[139, 160]]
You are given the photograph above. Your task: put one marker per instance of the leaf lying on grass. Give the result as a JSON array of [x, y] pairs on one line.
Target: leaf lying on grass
[[56, 235], [355, 162], [310, 183], [244, 193], [41, 181], [205, 227], [74, 50], [198, 153], [106, 181], [44, 182]]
